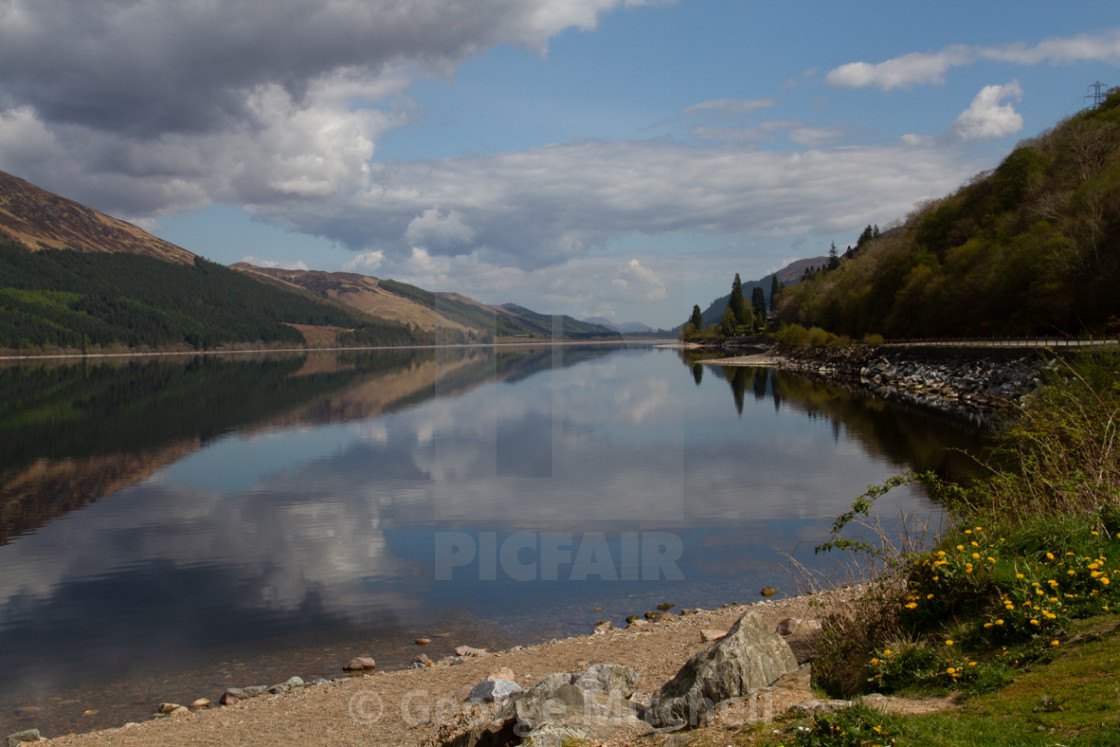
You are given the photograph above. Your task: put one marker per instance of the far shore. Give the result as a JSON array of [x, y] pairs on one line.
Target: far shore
[[77, 354]]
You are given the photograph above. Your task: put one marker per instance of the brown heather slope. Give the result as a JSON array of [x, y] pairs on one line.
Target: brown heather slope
[[39, 219], [361, 292]]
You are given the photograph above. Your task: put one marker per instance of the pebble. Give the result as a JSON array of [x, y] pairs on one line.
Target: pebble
[[469, 651], [360, 664]]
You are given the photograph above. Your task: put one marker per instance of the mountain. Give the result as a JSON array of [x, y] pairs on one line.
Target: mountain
[[38, 219], [627, 328], [447, 313], [788, 275], [1029, 248], [74, 278]]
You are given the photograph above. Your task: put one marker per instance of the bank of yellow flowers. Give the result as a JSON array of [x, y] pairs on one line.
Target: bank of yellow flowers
[[977, 595]]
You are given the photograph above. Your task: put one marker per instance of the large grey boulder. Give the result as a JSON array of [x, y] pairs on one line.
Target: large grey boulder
[[560, 708], [747, 658]]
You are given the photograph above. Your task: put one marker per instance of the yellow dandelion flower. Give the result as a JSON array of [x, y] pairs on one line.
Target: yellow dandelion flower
[[991, 559], [1034, 622], [1055, 642], [960, 547], [886, 652], [951, 670], [1019, 575], [975, 556], [999, 621], [968, 531], [971, 663], [1049, 556], [974, 543], [1104, 580], [874, 662], [987, 625], [948, 641]]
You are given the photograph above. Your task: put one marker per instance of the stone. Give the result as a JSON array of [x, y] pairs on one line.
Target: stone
[[168, 707], [768, 591], [493, 691], [423, 641], [360, 664], [180, 711], [707, 635], [422, 661], [502, 673], [201, 703], [653, 616], [748, 657], [602, 679], [669, 617], [665, 606], [639, 625], [469, 651], [235, 694], [288, 685], [603, 627], [802, 636], [20, 737], [811, 707]]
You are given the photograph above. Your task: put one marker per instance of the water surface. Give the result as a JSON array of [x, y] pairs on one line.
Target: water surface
[[170, 528]]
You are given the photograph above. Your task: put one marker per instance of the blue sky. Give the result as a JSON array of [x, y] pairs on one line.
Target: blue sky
[[617, 158]]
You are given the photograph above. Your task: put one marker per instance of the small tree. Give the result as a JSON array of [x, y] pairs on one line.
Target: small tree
[[758, 301], [697, 319], [728, 326], [833, 258], [775, 289], [737, 304]]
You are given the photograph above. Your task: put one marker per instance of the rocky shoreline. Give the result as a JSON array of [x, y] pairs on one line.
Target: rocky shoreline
[[976, 384], [445, 702]]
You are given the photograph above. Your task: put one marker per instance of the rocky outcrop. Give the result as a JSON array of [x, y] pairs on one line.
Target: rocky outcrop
[[563, 707], [749, 657]]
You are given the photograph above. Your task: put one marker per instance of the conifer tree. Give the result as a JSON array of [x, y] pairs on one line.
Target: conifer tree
[[737, 304]]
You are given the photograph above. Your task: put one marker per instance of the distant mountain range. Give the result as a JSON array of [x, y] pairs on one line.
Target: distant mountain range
[[627, 328], [72, 277]]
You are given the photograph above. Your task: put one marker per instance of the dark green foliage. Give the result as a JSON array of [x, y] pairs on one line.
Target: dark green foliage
[[737, 304], [1031, 248], [66, 299], [758, 301], [728, 325], [696, 321]]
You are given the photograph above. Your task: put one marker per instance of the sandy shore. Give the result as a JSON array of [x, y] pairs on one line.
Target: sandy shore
[[408, 707]]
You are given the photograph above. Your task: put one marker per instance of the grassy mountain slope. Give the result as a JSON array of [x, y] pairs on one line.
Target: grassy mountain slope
[[39, 219], [1032, 247], [453, 317]]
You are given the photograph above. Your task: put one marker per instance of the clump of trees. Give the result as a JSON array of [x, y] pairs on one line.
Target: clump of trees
[[739, 317]]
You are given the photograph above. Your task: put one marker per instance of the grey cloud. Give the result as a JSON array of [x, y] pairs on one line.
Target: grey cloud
[[149, 67], [547, 205]]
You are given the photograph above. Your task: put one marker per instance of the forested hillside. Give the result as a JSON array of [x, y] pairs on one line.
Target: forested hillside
[[67, 299], [1032, 247]]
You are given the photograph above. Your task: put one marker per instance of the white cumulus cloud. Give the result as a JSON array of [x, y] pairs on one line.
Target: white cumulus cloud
[[988, 117]]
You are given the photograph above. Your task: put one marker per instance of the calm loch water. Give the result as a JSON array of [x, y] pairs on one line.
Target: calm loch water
[[172, 527]]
